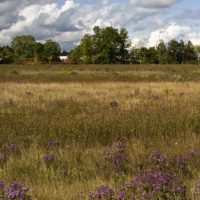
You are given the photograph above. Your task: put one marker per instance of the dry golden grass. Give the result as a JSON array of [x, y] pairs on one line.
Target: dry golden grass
[[125, 94], [37, 105]]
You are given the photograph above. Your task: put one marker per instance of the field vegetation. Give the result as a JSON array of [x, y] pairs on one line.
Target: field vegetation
[[79, 132]]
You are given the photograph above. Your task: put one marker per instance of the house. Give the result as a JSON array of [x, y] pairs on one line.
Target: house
[[63, 59]]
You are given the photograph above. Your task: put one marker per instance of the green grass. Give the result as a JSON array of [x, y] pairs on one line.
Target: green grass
[[98, 73], [158, 108]]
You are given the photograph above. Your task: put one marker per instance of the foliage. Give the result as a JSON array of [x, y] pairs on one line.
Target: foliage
[[107, 45], [38, 52], [51, 51], [23, 47], [6, 55], [162, 53]]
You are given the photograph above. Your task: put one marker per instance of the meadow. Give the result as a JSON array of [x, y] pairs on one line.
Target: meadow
[[70, 130]]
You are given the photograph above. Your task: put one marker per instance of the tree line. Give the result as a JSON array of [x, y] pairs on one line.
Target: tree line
[[112, 46], [105, 46], [25, 49]]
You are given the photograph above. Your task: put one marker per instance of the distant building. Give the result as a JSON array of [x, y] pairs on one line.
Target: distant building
[[63, 58]]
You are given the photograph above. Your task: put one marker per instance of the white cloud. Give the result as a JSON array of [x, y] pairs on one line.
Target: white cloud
[[173, 31], [47, 20], [154, 3], [67, 24]]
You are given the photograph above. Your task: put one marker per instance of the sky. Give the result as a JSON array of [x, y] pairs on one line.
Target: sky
[[67, 21]]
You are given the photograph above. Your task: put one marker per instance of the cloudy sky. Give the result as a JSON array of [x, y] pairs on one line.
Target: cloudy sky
[[66, 21]]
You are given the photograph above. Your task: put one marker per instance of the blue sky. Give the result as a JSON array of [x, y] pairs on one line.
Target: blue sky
[[67, 21]]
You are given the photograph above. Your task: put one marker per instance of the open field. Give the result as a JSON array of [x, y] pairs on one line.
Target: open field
[[77, 112]]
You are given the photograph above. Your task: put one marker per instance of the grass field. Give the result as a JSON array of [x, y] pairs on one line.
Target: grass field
[[77, 112]]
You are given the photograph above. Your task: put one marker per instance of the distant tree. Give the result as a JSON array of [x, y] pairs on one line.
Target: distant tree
[[145, 55], [124, 45], [23, 47], [175, 51], [75, 55], [38, 52], [87, 49], [141, 55], [152, 56], [181, 52], [107, 45], [135, 56], [52, 51], [162, 52], [6, 54], [190, 53]]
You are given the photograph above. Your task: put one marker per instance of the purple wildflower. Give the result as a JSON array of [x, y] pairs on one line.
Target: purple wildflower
[[1, 184], [2, 189], [49, 157], [3, 157], [120, 196], [17, 191], [181, 161], [197, 185], [157, 158], [196, 191], [154, 185], [116, 154], [103, 192]]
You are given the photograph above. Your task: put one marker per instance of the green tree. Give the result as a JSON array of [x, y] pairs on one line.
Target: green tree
[[152, 56], [6, 55], [38, 52], [145, 55], [23, 47], [190, 53], [162, 52], [75, 55], [87, 49], [176, 51], [107, 45], [52, 51], [124, 45]]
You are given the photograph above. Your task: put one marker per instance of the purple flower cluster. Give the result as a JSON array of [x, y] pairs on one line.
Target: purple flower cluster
[[196, 192], [9, 148], [3, 157], [181, 161], [116, 154], [104, 192], [147, 185], [154, 184], [17, 191], [48, 157], [1, 189], [157, 158]]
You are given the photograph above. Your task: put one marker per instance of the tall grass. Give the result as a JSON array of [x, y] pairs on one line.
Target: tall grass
[[79, 117]]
